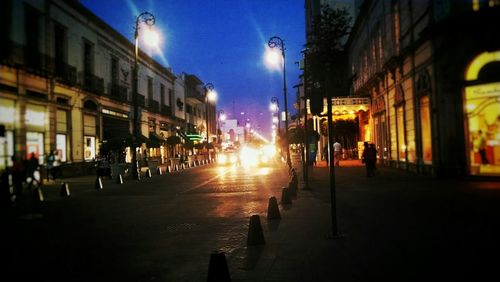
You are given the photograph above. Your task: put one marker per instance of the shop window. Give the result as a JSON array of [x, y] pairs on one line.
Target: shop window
[[401, 133], [34, 144], [61, 146], [89, 148], [6, 149], [425, 122]]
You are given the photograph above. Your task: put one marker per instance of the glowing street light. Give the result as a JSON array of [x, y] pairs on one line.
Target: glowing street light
[[148, 20], [210, 96]]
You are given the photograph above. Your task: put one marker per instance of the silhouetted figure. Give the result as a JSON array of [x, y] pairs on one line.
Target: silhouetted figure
[[50, 165], [31, 168], [17, 171], [367, 159]]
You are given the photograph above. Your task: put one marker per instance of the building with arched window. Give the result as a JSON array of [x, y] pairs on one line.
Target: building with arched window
[[432, 72]]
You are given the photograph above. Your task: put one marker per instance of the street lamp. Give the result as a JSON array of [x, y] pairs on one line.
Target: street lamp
[[149, 20], [276, 42], [221, 116], [210, 96]]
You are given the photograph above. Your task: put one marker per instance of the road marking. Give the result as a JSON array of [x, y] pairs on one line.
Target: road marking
[[208, 181]]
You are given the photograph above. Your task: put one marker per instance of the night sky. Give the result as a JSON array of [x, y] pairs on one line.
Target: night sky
[[222, 42]]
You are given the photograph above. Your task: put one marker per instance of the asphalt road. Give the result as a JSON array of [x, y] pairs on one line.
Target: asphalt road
[[159, 229]]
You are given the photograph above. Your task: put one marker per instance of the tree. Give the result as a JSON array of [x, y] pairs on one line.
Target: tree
[[326, 60]]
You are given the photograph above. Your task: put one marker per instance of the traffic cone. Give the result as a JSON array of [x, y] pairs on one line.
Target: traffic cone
[[285, 197], [64, 190], [158, 170], [217, 268], [273, 211], [119, 179], [255, 234], [98, 184]]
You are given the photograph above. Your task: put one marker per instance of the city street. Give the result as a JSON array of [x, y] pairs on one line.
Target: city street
[[394, 226]]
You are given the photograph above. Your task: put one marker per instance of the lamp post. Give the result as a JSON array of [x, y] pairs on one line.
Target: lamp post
[[209, 97], [277, 42], [221, 116], [148, 19]]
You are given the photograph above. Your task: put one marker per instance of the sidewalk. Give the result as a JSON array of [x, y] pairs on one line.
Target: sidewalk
[[396, 226]]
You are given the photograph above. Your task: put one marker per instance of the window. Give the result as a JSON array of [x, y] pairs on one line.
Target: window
[[32, 33], [88, 61], [425, 120], [61, 146], [114, 71], [397, 33], [150, 88], [89, 148], [34, 144], [60, 47], [170, 97], [162, 94], [401, 133]]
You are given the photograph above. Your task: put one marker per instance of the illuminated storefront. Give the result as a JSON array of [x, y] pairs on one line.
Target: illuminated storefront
[[482, 114], [89, 138], [7, 118], [36, 121]]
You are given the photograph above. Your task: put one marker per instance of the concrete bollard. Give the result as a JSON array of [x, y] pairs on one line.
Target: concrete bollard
[[119, 179], [169, 169], [148, 173], [38, 195], [64, 190], [273, 211], [176, 167], [285, 197], [255, 233], [217, 268], [98, 184], [158, 170]]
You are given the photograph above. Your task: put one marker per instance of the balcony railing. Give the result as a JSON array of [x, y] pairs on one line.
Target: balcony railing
[[118, 92], [154, 106], [65, 73], [166, 110], [93, 84]]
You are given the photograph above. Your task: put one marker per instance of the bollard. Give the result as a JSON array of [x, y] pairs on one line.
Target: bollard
[[176, 167], [169, 169], [217, 268], [183, 166], [158, 170], [38, 195], [119, 179], [64, 190], [255, 234], [98, 184], [285, 197], [148, 173], [273, 211]]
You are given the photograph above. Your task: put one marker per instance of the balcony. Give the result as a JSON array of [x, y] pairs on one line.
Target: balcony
[[166, 110], [118, 92], [141, 100], [154, 106], [93, 84], [65, 73]]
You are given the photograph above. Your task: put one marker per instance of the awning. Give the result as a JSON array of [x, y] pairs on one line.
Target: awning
[[155, 140], [183, 135]]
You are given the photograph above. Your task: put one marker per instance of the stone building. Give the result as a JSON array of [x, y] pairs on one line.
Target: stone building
[[66, 86], [432, 71]]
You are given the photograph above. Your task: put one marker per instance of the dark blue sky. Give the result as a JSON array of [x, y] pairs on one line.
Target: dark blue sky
[[223, 42]]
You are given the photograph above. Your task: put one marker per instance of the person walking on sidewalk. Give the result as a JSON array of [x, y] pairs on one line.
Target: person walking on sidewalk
[[337, 149], [50, 165], [367, 158]]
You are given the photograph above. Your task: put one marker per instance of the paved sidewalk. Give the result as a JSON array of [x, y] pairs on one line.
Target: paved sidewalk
[[396, 226]]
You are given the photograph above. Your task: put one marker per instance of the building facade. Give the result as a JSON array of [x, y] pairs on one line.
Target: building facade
[[66, 86], [431, 69]]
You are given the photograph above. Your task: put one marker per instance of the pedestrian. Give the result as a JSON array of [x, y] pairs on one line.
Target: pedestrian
[[50, 164], [482, 148], [32, 166], [373, 158], [56, 168], [18, 172], [365, 158], [337, 149]]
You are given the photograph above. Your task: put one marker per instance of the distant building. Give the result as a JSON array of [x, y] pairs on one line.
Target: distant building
[[66, 85]]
